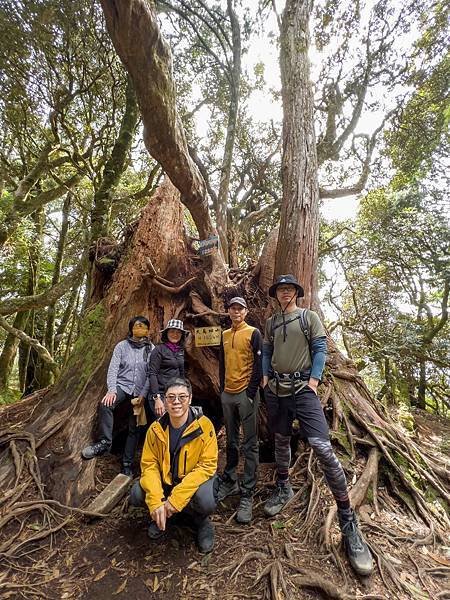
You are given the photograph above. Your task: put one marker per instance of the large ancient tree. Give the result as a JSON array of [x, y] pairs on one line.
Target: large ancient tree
[[160, 275]]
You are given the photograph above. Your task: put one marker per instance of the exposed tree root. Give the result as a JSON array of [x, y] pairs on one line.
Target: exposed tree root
[[415, 467], [420, 575], [173, 290], [317, 582], [236, 566], [18, 518]]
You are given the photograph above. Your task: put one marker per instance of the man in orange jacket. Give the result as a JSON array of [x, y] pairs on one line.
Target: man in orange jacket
[[178, 466], [240, 371]]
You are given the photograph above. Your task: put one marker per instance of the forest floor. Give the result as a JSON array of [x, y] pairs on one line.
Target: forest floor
[[277, 559]]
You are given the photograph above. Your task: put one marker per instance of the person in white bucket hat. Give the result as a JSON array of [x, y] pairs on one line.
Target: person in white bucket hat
[[166, 363]]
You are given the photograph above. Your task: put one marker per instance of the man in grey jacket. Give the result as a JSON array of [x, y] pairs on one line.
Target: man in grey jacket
[[126, 377]]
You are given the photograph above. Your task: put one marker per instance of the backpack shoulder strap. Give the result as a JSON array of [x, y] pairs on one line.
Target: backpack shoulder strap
[[301, 318], [272, 327], [304, 326]]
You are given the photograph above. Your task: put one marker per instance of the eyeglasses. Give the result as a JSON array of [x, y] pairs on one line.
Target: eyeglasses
[[172, 397]]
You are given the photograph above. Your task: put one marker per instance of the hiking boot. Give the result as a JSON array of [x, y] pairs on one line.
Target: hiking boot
[[96, 449], [154, 533], [205, 535], [227, 487], [280, 497], [127, 469], [356, 548], [244, 512]]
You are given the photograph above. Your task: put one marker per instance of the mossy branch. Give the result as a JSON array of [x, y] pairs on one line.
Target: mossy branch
[[48, 297], [115, 165], [40, 349]]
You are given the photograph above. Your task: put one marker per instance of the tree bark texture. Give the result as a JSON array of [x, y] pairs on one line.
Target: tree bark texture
[[9, 350], [266, 263], [136, 36], [297, 249], [233, 108]]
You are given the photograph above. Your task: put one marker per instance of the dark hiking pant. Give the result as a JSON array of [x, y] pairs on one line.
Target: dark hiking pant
[[106, 423], [314, 429], [237, 409], [202, 503]]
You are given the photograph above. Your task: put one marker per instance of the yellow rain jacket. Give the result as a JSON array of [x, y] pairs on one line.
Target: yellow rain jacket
[[195, 461]]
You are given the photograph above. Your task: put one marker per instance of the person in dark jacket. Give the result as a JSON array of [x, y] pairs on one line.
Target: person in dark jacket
[[166, 363], [126, 379]]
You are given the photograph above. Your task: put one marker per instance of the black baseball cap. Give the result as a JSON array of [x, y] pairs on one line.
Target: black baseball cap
[[237, 300]]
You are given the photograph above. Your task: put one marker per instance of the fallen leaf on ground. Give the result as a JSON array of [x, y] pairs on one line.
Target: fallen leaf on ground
[[121, 587], [205, 560], [100, 575], [149, 584]]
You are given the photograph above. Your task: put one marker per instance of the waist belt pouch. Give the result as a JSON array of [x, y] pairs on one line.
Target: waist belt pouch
[[286, 404]]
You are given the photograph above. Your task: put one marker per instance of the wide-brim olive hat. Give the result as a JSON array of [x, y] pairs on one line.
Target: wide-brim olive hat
[[286, 279]]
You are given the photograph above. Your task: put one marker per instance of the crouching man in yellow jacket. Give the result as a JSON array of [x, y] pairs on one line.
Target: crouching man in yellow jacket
[[178, 466]]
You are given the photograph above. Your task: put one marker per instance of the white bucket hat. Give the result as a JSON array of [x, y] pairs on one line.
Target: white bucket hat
[[174, 324]]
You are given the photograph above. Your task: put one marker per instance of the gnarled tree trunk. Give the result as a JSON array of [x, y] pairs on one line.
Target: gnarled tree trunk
[[64, 423], [136, 36]]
